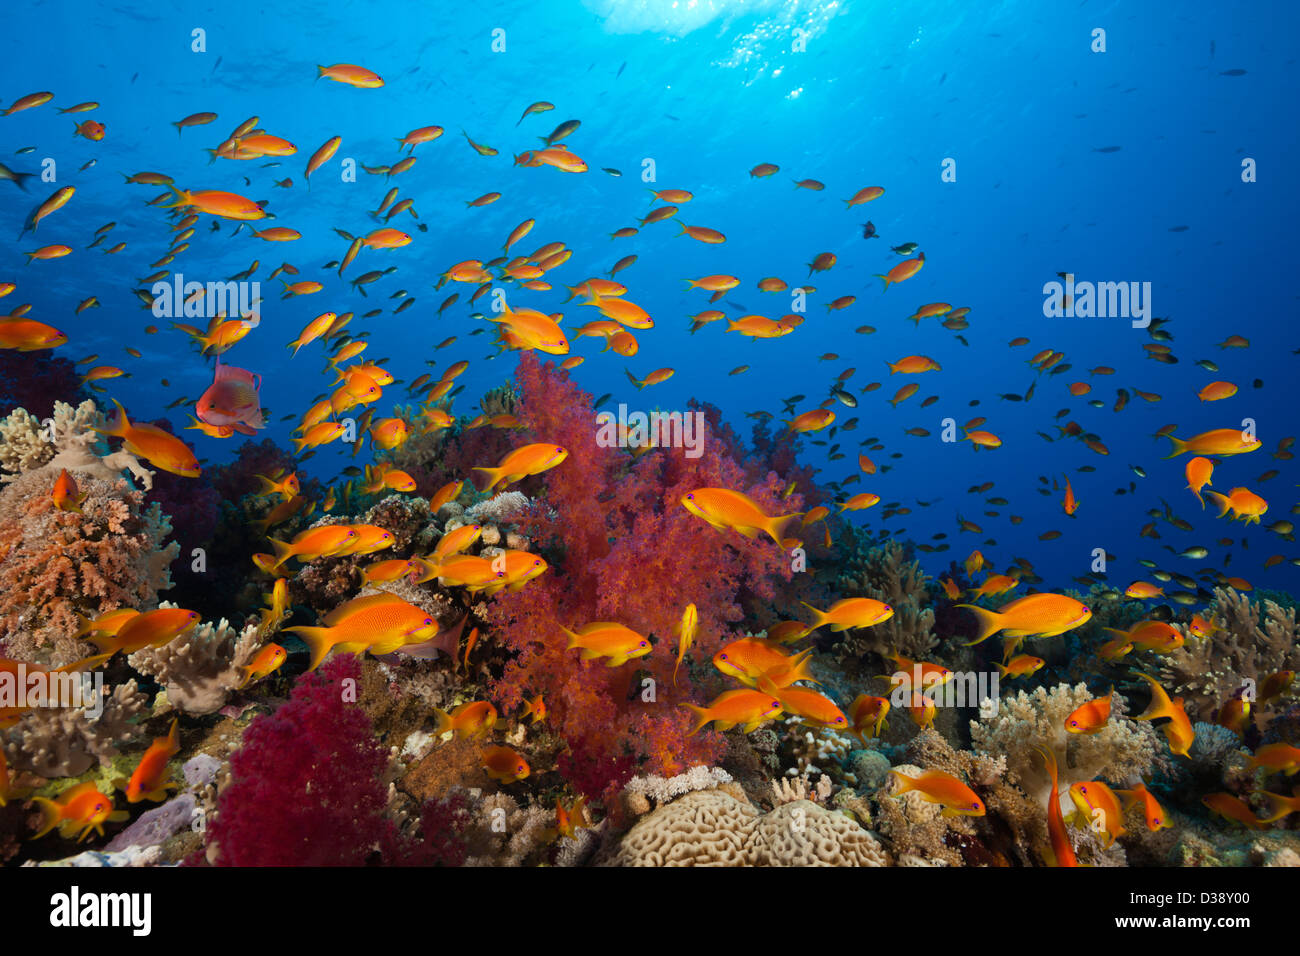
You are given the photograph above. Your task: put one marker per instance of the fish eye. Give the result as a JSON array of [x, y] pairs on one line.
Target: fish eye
[[690, 497], [1074, 723], [642, 644], [723, 656]]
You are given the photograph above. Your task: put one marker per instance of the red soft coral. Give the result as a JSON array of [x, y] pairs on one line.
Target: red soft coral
[[306, 787], [623, 549]]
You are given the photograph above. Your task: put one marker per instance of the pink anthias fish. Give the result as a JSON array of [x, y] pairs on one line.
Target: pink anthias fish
[[232, 399]]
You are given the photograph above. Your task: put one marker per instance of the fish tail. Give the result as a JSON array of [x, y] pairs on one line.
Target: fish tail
[[777, 525], [575, 640], [318, 640], [283, 551], [494, 474], [1179, 447], [1160, 706], [443, 722], [702, 717], [990, 622], [84, 626], [50, 815], [819, 617], [633, 379], [902, 783], [116, 427], [885, 280], [1222, 501], [182, 197], [800, 669]]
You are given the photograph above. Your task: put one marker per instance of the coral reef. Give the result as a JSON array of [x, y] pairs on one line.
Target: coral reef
[[68, 741], [201, 669], [1258, 638], [57, 564], [885, 572]]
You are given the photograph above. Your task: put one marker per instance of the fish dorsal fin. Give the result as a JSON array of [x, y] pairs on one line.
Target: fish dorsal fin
[[357, 605], [231, 373]]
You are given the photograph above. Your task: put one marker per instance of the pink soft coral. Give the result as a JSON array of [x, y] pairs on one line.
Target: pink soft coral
[[623, 549]]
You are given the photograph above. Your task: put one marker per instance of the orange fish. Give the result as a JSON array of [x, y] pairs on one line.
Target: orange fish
[[160, 448], [903, 271], [65, 495], [851, 613], [522, 462], [265, 662], [1179, 730], [321, 542], [1152, 812], [1221, 442], [1090, 718], [503, 764], [151, 629], [1035, 615], [867, 716], [350, 74], [732, 510], [935, 786], [378, 623], [685, 635], [77, 812], [218, 203], [613, 642], [1199, 472], [474, 719], [748, 709], [1061, 852], [150, 779]]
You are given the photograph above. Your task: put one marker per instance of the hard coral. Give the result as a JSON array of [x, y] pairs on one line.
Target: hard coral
[[201, 669], [1258, 638], [55, 564]]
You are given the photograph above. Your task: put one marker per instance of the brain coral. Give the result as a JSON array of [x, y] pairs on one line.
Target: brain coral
[[714, 828]]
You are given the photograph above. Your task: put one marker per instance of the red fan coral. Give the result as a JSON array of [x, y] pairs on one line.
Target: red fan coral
[[622, 548], [306, 786]]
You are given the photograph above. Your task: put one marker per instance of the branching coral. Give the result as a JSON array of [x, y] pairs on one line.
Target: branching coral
[[66, 741], [55, 564], [68, 441], [885, 573], [1124, 749], [1258, 638], [201, 669]]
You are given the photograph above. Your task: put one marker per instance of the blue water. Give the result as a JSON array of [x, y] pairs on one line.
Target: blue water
[[882, 95]]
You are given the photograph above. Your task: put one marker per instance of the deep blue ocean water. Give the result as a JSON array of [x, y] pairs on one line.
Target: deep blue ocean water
[[882, 94]]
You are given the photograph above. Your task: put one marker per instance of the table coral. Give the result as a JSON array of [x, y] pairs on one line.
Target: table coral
[[55, 564]]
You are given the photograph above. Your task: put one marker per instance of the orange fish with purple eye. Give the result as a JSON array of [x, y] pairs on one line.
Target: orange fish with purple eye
[[1152, 812], [1090, 718], [65, 494], [91, 130], [77, 812], [935, 786], [504, 765]]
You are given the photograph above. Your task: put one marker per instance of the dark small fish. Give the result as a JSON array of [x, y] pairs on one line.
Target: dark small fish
[[215, 65], [24, 150], [611, 170], [1232, 73], [1179, 228], [869, 230], [602, 400], [620, 70], [1107, 149]]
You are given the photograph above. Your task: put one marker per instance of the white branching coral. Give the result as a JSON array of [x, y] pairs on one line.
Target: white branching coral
[[662, 789], [67, 440], [1124, 749]]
